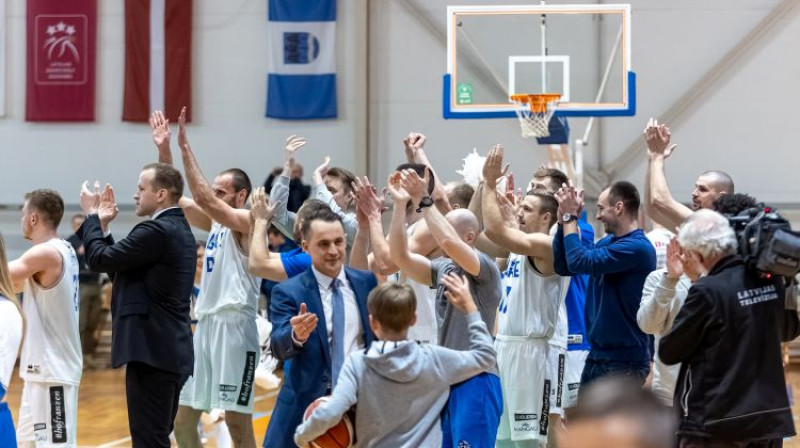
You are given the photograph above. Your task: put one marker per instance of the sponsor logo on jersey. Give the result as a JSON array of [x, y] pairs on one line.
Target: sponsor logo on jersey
[[58, 419], [33, 368], [247, 379]]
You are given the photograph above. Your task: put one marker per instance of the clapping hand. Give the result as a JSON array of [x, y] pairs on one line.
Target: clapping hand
[[303, 324], [417, 187], [107, 208], [367, 200], [90, 199], [400, 196], [261, 210], [658, 138], [161, 132], [569, 200], [458, 292], [493, 168]]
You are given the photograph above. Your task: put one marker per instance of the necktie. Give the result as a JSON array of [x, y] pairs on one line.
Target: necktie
[[337, 341]]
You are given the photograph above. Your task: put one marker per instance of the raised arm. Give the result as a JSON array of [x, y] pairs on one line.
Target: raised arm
[[262, 262], [537, 245], [661, 206], [203, 195], [415, 153], [284, 219], [415, 266], [656, 311], [320, 191], [371, 206], [443, 232], [359, 253]]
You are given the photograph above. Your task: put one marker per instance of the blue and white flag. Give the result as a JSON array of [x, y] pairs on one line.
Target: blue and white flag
[[302, 67]]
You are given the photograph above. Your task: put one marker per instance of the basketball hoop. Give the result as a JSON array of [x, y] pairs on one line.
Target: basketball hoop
[[534, 112]]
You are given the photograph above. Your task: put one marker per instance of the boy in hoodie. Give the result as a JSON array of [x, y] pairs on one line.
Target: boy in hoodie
[[395, 370]]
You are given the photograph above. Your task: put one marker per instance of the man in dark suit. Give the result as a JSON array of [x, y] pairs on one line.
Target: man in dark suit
[[153, 274], [318, 317]]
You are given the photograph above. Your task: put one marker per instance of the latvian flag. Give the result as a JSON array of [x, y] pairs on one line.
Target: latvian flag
[[302, 66], [158, 58]]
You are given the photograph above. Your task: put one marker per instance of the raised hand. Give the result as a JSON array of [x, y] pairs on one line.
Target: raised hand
[[674, 265], [691, 265], [183, 140], [303, 324], [90, 199], [107, 208], [458, 293], [321, 171], [261, 210], [161, 132], [658, 138], [413, 143], [293, 143], [417, 187], [394, 186], [493, 168]]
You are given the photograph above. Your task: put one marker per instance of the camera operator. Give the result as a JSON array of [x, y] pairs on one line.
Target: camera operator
[[731, 387]]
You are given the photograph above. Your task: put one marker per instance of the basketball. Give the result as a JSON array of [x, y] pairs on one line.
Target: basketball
[[340, 436]]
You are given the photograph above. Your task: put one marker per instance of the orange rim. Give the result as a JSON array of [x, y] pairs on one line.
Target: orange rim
[[538, 102]]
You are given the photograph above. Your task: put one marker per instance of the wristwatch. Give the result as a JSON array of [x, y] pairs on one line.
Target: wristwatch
[[568, 217], [427, 201]]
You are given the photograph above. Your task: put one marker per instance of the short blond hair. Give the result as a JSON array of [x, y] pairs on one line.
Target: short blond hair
[[393, 305]]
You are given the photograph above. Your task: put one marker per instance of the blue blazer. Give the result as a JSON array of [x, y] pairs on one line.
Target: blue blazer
[[310, 374]]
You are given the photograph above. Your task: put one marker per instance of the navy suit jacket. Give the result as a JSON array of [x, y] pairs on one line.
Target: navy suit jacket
[[153, 274], [309, 376]]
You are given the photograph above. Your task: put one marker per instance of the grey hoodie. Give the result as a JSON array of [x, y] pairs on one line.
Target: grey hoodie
[[401, 388]]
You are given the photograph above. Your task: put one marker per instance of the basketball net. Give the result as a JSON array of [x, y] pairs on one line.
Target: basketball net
[[534, 112]]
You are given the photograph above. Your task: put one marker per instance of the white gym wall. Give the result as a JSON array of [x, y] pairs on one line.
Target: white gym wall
[[744, 123]]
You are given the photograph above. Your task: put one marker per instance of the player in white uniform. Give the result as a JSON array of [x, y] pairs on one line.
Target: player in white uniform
[[529, 313], [52, 362], [11, 325], [226, 346]]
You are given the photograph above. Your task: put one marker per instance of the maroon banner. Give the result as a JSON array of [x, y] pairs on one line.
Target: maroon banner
[[62, 37]]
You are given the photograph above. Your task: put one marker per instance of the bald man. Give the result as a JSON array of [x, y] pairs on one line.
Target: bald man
[[473, 412], [661, 206]]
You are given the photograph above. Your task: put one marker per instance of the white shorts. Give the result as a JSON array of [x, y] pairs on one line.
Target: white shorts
[[556, 361], [572, 376], [226, 354], [522, 363], [48, 415]]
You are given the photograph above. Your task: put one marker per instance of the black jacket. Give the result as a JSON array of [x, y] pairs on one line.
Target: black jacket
[[728, 336], [153, 274]]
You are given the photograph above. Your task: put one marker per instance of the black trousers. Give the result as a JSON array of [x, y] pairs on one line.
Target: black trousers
[[152, 403]]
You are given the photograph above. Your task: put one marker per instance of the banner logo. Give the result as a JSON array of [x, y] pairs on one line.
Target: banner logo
[[60, 49]]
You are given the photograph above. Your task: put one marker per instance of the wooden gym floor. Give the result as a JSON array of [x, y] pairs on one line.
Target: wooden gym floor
[[103, 418]]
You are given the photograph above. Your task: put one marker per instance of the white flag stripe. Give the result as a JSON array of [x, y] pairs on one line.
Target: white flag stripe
[[322, 34], [157, 53]]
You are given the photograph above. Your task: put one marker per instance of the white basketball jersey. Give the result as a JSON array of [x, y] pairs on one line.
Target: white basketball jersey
[[51, 351], [227, 284], [562, 325], [426, 329], [531, 302]]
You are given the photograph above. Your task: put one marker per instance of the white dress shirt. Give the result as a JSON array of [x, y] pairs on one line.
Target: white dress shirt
[[353, 332]]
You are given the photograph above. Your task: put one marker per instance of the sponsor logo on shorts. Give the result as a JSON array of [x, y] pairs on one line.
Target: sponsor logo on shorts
[[524, 417], [573, 386], [464, 444], [560, 388], [33, 368], [247, 379], [575, 339], [39, 426], [525, 427], [227, 393], [543, 422], [58, 420]]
